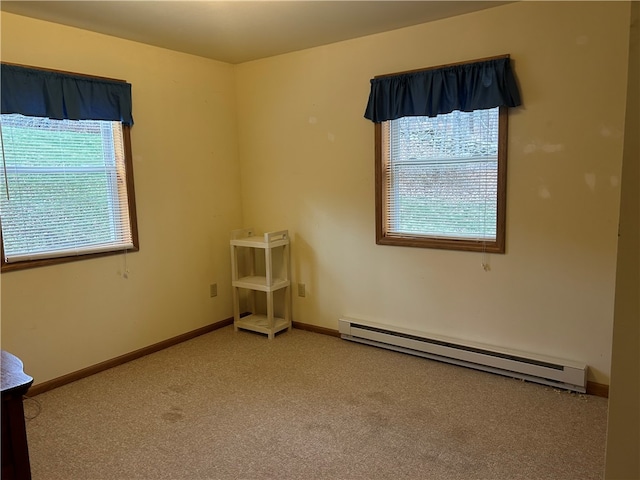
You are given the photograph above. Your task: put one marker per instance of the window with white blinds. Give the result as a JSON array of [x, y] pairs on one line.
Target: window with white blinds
[[66, 190], [442, 180]]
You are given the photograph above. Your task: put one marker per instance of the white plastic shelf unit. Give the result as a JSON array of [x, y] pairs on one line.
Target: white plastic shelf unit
[[272, 277]]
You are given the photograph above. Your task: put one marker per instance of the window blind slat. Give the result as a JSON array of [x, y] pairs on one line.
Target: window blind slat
[[67, 252]]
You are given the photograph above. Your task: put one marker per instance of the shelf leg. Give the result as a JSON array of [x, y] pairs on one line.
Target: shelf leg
[[270, 314], [252, 301], [287, 307], [236, 309]]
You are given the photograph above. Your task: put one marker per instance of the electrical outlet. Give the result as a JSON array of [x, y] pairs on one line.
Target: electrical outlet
[[213, 290], [302, 290]]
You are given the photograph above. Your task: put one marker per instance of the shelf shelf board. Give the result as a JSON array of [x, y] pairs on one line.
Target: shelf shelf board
[[260, 323], [260, 283], [258, 242]]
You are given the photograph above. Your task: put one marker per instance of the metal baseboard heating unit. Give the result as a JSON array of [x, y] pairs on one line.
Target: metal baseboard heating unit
[[554, 372]]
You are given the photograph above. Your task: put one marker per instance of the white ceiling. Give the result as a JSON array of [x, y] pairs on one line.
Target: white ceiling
[[239, 31]]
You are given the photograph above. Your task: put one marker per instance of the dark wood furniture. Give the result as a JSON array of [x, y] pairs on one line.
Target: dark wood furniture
[[15, 453]]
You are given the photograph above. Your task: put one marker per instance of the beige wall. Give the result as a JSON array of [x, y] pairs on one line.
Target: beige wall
[[63, 318], [306, 158]]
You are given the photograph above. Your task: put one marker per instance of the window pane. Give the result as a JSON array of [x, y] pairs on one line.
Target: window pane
[[66, 188], [445, 200], [441, 176]]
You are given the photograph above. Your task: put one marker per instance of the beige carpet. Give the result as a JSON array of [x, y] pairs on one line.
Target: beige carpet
[[308, 406]]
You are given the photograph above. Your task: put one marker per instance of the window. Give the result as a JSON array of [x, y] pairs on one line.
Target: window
[[441, 145], [442, 180], [67, 184]]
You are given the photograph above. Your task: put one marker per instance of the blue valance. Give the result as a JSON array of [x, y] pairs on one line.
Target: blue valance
[[466, 87], [56, 95]]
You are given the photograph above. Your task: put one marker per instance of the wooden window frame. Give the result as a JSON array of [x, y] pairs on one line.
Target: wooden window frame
[[382, 196], [133, 221]]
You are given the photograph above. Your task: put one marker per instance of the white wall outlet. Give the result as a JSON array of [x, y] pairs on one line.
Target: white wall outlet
[[213, 290], [302, 290]]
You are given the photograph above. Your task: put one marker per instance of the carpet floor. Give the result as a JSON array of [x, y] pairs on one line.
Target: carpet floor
[[230, 405]]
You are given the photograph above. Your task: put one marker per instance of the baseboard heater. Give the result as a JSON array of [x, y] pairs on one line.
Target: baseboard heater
[[554, 372]]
